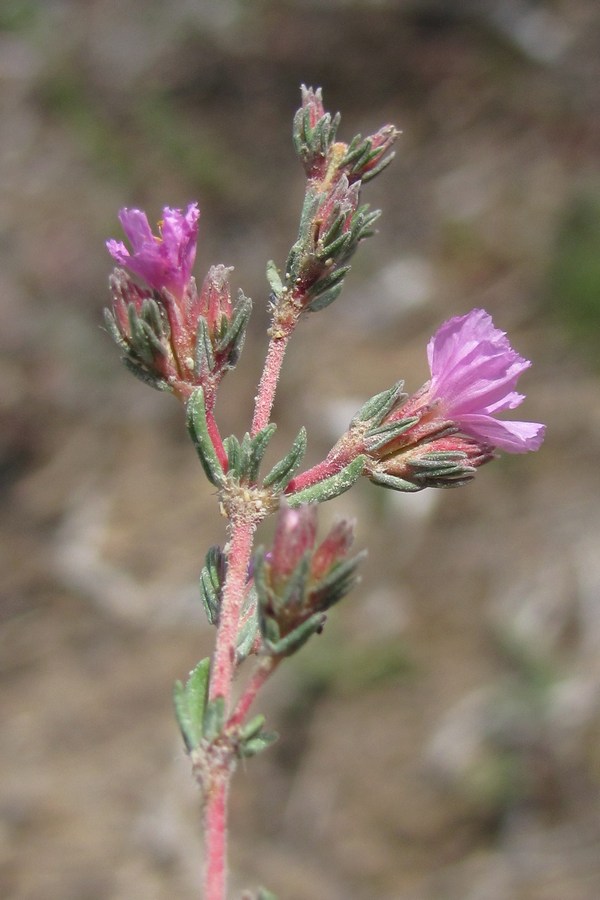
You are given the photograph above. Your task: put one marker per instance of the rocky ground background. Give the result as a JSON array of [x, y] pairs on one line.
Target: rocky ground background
[[440, 741]]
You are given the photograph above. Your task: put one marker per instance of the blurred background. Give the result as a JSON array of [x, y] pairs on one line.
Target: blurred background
[[440, 741]]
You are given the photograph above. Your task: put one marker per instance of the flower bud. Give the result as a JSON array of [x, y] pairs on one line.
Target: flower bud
[[297, 581]]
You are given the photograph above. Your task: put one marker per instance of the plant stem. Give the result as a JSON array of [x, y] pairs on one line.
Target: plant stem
[[215, 831], [261, 674], [331, 465], [234, 591], [219, 767], [268, 381]]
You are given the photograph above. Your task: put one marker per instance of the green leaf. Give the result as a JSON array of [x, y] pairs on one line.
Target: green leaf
[[377, 407], [114, 330], [396, 484], [330, 487], [329, 281], [198, 429], [264, 894], [214, 718], [246, 637], [274, 278], [367, 176], [325, 299], [139, 370], [190, 704], [338, 582], [259, 445], [232, 342], [385, 434], [233, 450], [293, 641], [205, 359], [282, 472], [252, 728], [257, 744], [211, 583]]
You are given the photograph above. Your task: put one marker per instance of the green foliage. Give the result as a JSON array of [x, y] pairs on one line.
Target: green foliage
[[330, 487], [198, 429], [212, 578], [190, 704], [282, 472], [574, 276], [18, 15]]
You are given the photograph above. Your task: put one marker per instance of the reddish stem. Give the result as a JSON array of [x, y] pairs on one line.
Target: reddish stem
[[261, 674], [234, 591], [221, 678], [268, 381], [331, 465], [215, 830], [215, 436]]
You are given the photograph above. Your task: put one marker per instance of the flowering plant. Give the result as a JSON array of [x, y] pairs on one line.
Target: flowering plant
[[267, 603]]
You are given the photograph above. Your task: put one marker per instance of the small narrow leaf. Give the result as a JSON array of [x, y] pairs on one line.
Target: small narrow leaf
[[282, 472], [257, 744], [330, 487], [234, 454], [190, 703], [246, 638], [251, 728], [274, 278], [114, 330], [214, 718], [259, 445], [396, 484], [377, 407], [232, 342], [139, 370], [211, 581], [198, 429], [325, 299], [385, 434], [205, 359], [293, 641]]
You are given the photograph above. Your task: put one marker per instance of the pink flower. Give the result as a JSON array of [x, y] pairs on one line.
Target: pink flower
[[164, 262], [474, 372]]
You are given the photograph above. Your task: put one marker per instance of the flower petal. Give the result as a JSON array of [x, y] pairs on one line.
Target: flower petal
[[514, 437]]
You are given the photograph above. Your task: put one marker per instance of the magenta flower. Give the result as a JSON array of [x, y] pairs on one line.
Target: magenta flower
[[164, 262], [474, 371]]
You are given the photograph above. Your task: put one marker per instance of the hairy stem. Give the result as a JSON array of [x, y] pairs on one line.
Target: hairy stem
[[333, 463], [268, 382], [234, 591], [215, 830], [261, 674]]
